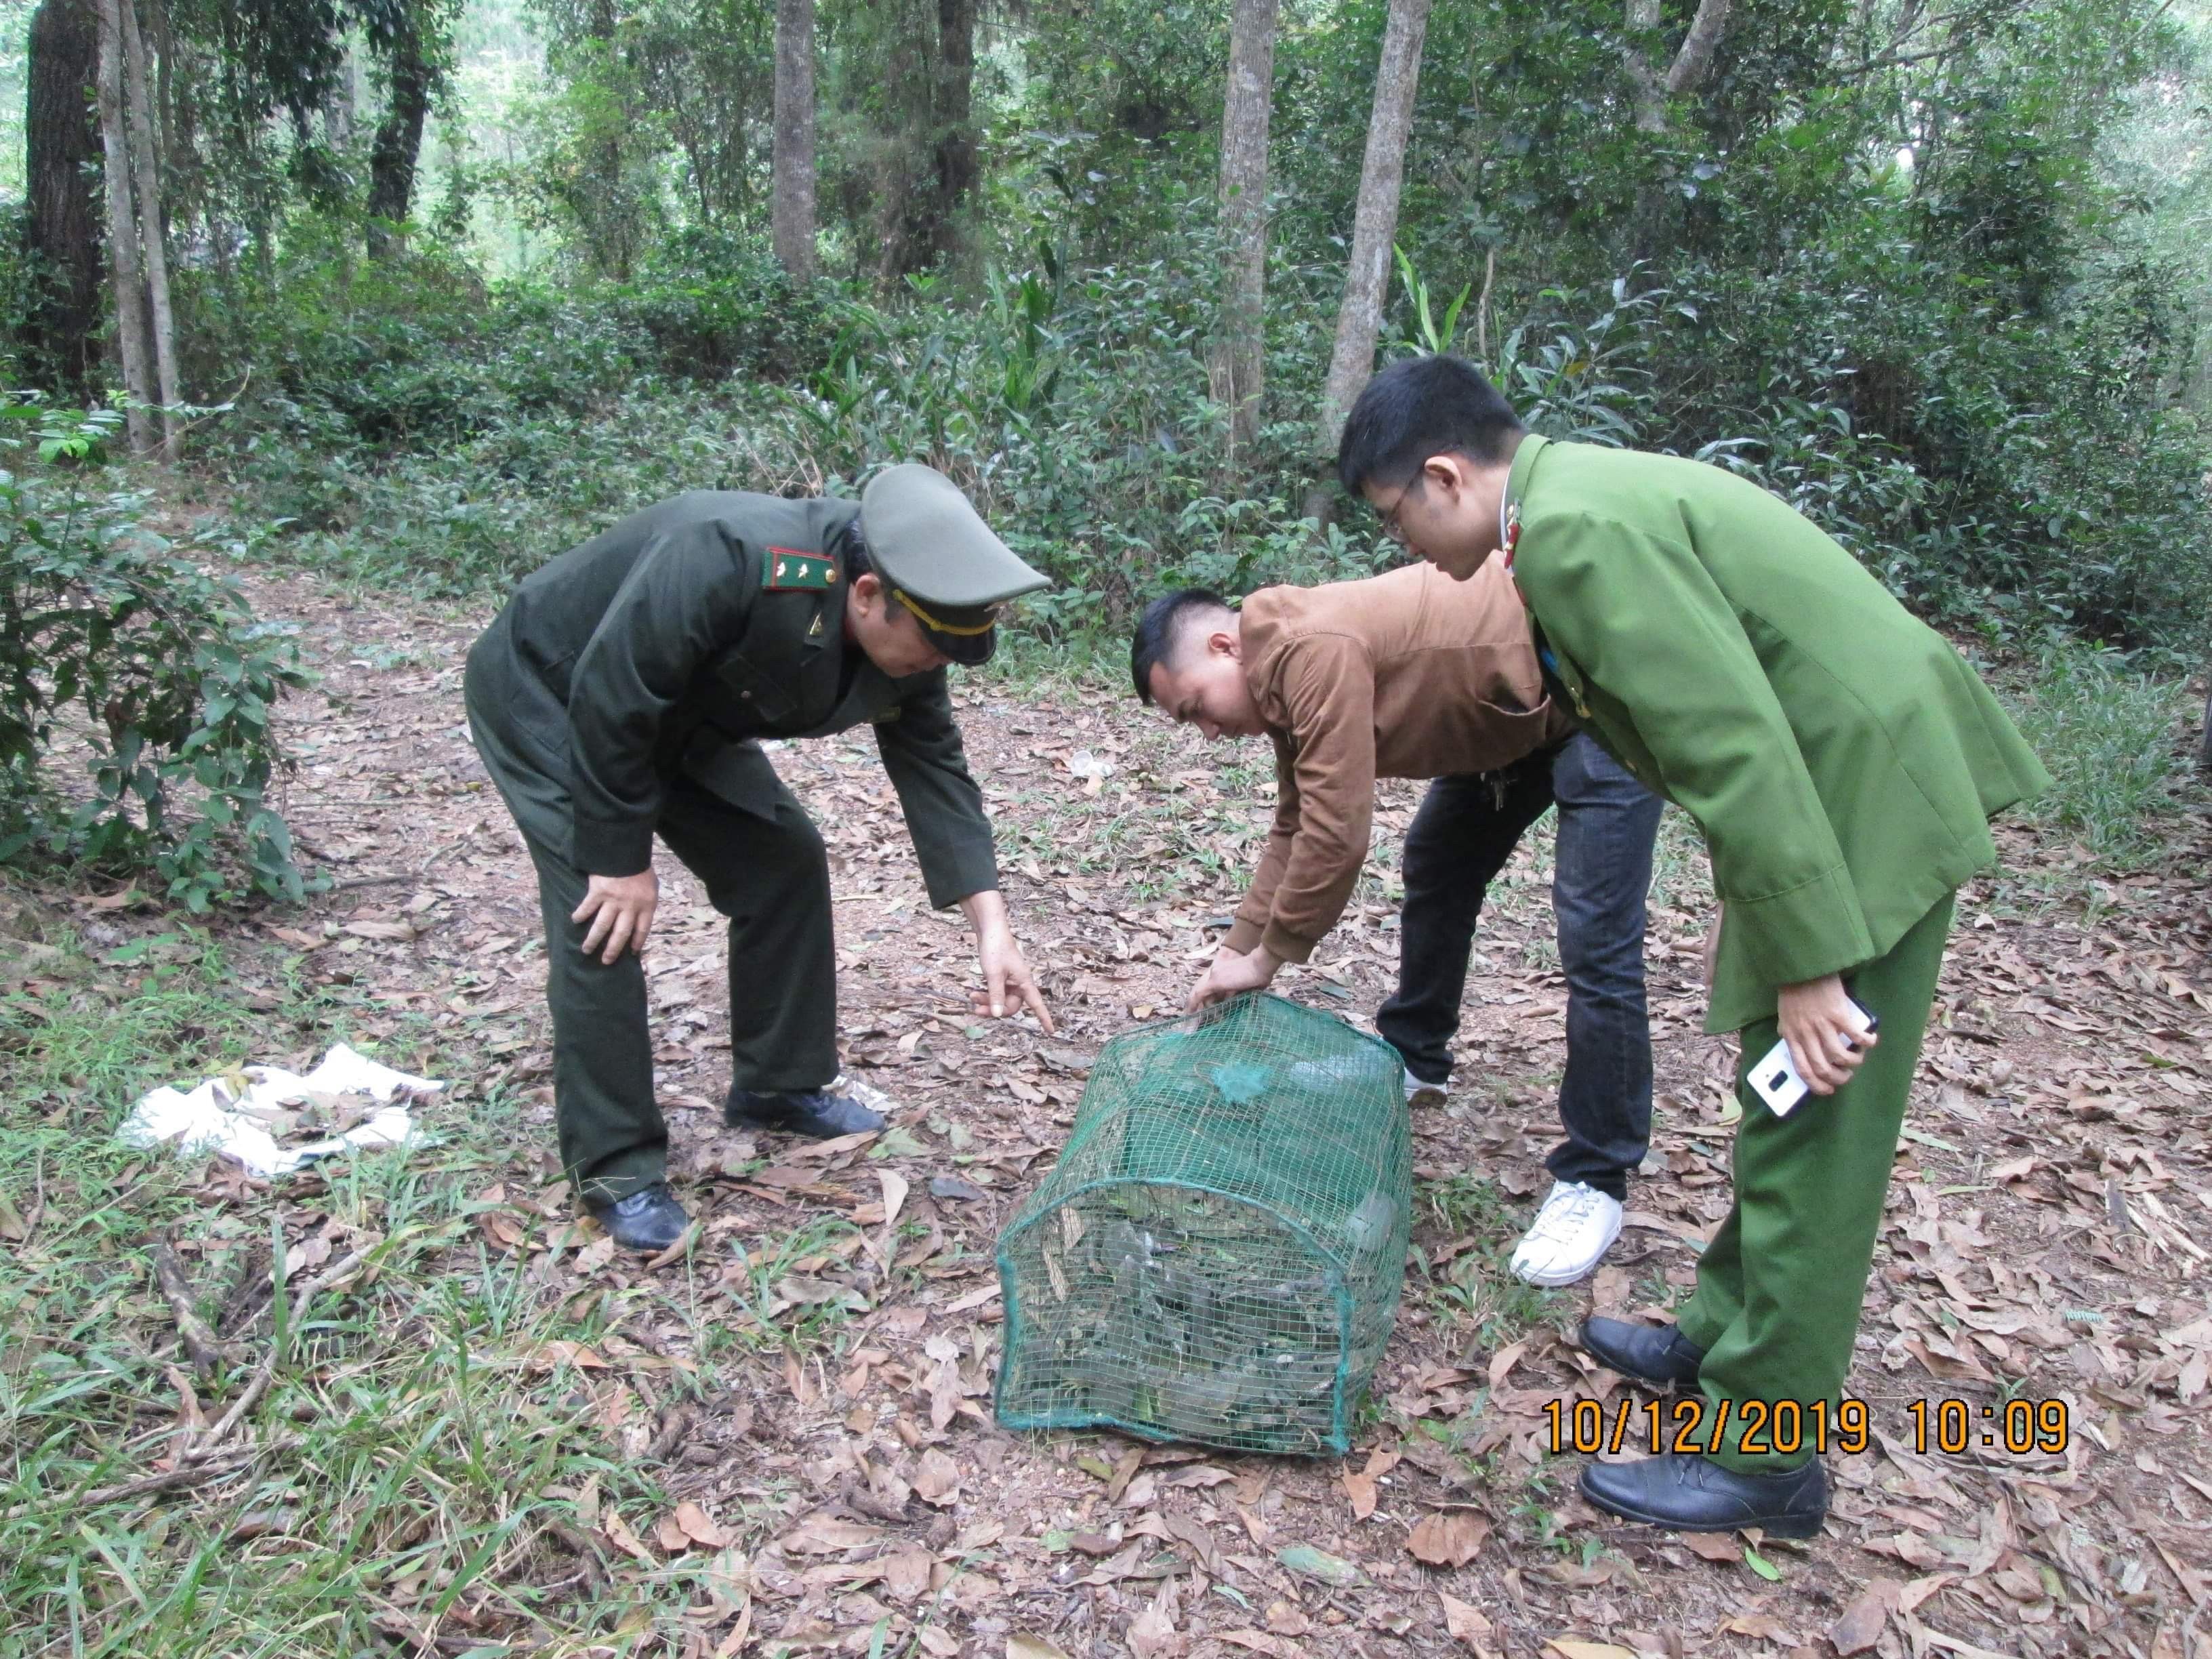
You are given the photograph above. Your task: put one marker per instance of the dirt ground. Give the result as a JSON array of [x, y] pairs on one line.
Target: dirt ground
[[2046, 1241]]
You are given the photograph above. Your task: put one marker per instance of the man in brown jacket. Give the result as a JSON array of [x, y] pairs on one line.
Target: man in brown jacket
[[1411, 675]]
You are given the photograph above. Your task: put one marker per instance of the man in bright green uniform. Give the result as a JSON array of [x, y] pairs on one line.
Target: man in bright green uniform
[[621, 695], [1843, 761]]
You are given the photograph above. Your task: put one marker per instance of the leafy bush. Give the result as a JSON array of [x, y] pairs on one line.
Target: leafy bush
[[716, 305], [2001, 471], [2109, 734], [153, 671], [342, 351], [1995, 473]]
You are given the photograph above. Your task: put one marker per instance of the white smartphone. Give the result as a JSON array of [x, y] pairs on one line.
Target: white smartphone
[[1775, 1078]]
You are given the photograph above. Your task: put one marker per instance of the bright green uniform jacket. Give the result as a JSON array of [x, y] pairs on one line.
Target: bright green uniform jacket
[[661, 646], [1841, 759]]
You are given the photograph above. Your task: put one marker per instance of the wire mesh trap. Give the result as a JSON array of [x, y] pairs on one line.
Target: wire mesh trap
[[1217, 1257]]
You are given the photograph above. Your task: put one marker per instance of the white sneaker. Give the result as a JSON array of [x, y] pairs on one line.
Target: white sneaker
[[1576, 1227], [1418, 1093]]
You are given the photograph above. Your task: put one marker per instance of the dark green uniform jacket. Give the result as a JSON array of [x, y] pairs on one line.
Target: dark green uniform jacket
[[663, 645], [1841, 757]]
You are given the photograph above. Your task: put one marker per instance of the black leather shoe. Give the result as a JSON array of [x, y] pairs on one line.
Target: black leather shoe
[[1695, 1494], [1658, 1354], [649, 1220], [815, 1113]]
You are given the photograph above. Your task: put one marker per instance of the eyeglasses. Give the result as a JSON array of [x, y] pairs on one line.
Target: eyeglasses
[[1391, 527]]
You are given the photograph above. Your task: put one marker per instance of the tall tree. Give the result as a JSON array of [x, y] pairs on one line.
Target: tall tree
[[792, 156], [925, 163], [952, 102], [1691, 61], [153, 234], [131, 343], [410, 38], [1374, 227], [1238, 370], [62, 229]]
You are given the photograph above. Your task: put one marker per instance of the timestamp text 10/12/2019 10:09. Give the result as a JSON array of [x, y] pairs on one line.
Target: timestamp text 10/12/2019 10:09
[[1693, 1425]]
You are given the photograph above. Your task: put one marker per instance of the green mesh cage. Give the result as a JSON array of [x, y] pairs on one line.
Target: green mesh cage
[[1217, 1257]]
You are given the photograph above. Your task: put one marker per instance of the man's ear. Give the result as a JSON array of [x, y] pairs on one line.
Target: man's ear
[[1447, 474], [1226, 642]]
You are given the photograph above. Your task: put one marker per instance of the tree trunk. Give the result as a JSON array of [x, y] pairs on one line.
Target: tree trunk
[[338, 111], [2204, 745], [399, 136], [123, 233], [1238, 371], [1373, 227], [1650, 99], [790, 211], [952, 104], [1652, 89], [1688, 70], [62, 228], [146, 166]]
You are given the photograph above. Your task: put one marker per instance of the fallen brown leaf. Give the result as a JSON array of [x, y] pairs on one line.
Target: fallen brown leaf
[[906, 1576], [619, 1534], [1467, 1625], [1153, 1636], [1712, 1545], [936, 1479], [1360, 1489], [546, 1355], [1448, 1541], [825, 1535], [1863, 1620], [696, 1525]]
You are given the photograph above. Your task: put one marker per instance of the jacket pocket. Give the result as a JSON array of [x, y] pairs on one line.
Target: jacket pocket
[[743, 699], [1511, 732]]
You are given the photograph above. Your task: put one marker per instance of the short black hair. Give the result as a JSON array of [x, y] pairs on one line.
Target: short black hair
[[1424, 406], [1159, 629], [854, 552]]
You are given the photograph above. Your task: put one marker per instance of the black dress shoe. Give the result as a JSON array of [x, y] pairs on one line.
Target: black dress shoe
[[815, 1113], [1695, 1494], [1658, 1354], [649, 1220]]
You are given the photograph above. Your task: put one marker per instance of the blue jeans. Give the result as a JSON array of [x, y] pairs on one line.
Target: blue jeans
[[1467, 829]]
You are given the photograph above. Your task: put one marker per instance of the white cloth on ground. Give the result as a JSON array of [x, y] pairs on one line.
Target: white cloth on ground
[[245, 1125]]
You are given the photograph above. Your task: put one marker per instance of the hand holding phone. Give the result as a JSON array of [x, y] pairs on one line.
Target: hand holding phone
[[1776, 1080]]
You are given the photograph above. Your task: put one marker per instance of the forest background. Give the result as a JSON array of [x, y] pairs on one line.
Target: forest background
[[438, 288], [322, 321]]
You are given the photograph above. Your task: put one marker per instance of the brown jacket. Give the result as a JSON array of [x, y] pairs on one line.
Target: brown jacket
[[1408, 675]]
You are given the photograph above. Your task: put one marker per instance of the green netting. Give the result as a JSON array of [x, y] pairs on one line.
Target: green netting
[[1218, 1256]]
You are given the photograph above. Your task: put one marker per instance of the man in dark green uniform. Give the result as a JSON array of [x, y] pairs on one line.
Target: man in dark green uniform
[[621, 695], [1844, 762]]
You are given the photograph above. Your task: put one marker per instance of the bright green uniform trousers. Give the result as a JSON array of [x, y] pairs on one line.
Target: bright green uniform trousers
[[1779, 1288]]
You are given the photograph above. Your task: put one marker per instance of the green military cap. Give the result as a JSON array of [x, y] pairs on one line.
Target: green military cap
[[940, 559]]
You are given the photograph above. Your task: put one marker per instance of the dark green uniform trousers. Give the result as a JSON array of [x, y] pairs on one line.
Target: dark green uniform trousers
[[1779, 1288], [764, 866]]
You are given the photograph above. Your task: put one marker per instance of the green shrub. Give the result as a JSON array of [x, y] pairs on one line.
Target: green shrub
[[154, 671], [2107, 731], [2001, 470], [716, 305]]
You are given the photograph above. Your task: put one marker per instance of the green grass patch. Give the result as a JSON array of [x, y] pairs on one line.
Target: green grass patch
[[2111, 734], [444, 1434], [1477, 1291]]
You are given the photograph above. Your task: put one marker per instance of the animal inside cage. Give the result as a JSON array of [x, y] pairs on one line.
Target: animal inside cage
[[1218, 1256]]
